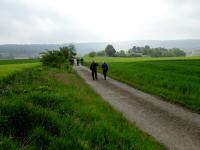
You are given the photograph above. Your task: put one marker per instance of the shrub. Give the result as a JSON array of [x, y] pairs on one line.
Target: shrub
[[53, 59]]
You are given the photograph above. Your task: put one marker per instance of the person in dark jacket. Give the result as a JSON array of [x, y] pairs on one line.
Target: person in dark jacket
[[77, 61], [105, 69], [82, 61], [93, 68], [71, 61]]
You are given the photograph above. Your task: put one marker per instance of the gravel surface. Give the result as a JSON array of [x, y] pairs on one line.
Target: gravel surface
[[176, 127]]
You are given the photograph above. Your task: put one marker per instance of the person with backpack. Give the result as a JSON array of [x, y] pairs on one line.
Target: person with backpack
[[105, 69], [93, 68]]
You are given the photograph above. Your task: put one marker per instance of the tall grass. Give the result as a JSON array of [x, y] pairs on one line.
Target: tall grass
[[45, 108], [174, 79]]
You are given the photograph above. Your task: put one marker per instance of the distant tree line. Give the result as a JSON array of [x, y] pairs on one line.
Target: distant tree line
[[136, 51]]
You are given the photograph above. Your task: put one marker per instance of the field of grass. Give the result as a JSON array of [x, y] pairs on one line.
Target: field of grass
[[7, 70], [174, 79], [18, 61], [136, 59], [46, 108]]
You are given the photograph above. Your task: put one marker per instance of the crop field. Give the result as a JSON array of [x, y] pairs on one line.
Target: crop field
[[56, 109], [18, 61], [174, 79], [7, 70], [136, 59]]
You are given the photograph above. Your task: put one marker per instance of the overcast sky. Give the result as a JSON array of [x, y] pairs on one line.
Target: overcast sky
[[61, 21]]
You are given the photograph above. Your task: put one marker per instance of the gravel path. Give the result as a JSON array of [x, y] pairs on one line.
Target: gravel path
[[174, 126]]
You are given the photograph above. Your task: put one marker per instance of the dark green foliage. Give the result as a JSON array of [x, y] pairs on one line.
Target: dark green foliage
[[40, 138], [139, 52], [110, 50], [68, 51], [156, 52], [6, 143], [58, 58], [53, 58], [18, 119], [65, 50]]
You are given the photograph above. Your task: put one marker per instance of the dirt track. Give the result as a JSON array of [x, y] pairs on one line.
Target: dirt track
[[175, 127]]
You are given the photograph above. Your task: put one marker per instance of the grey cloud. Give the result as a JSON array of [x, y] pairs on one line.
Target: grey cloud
[[19, 23]]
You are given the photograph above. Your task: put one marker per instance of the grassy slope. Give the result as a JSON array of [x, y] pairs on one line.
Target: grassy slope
[[174, 79], [54, 109]]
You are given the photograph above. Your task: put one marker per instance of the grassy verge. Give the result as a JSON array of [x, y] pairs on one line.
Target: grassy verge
[[174, 79], [45, 108]]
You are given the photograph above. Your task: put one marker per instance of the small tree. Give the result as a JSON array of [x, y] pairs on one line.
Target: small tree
[[69, 53], [110, 51], [65, 50], [53, 58]]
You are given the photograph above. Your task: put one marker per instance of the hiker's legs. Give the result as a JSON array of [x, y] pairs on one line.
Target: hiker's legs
[[96, 75], [93, 75], [104, 74]]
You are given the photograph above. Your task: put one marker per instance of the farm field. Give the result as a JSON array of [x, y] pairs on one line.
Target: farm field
[[55, 109], [174, 79], [18, 61], [6, 70]]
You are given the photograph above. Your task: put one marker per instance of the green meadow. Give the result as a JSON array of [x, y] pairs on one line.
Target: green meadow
[[48, 108], [174, 79], [9, 69], [18, 61]]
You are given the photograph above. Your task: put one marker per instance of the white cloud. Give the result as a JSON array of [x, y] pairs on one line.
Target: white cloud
[[50, 21]]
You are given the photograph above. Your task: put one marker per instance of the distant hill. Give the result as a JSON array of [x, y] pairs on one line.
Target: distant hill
[[191, 47]]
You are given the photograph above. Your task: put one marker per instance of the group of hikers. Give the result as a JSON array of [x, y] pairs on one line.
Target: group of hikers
[[93, 68], [78, 61]]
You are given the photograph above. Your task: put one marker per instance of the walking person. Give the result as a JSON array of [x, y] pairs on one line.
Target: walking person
[[93, 68], [105, 69], [77, 61], [82, 61], [71, 62]]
